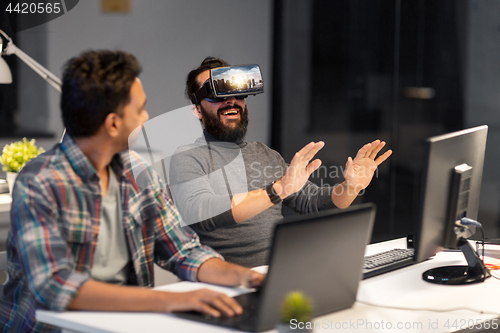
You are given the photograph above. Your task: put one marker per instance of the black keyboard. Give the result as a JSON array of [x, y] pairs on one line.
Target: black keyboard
[[387, 261]]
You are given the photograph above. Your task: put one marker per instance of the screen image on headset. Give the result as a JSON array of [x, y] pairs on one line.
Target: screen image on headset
[[237, 80]]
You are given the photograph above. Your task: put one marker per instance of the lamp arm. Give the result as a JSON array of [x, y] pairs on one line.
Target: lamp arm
[[53, 80]]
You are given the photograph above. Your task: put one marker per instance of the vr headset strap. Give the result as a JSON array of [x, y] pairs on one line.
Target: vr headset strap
[[200, 94]]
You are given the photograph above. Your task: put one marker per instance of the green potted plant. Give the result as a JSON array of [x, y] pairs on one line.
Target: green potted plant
[[296, 313], [15, 156]]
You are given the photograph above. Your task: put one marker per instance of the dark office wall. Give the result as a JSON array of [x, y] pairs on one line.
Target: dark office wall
[[353, 71], [482, 88]]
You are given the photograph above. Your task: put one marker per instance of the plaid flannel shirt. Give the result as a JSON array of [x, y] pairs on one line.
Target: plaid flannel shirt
[[55, 216]]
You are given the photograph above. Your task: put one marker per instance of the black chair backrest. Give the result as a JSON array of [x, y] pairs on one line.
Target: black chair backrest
[[4, 276]]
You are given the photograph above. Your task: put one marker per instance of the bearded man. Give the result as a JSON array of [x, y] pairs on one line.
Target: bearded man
[[231, 191]]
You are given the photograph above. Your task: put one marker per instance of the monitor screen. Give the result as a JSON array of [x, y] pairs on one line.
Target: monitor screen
[[451, 184]]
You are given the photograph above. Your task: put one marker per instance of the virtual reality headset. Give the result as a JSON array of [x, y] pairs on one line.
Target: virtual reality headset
[[230, 81]]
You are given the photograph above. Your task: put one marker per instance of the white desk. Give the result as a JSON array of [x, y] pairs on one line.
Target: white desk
[[402, 288]]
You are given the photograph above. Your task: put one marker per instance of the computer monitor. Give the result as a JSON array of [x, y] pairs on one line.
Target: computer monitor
[[451, 183]]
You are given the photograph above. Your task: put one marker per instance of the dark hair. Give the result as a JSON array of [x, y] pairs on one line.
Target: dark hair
[[95, 84], [208, 63]]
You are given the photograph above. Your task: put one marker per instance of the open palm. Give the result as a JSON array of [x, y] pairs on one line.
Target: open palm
[[360, 170], [301, 167]]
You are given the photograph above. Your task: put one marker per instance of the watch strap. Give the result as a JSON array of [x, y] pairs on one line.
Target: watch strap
[[273, 196]]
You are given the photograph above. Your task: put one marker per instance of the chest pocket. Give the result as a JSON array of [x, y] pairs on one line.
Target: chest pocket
[[145, 212], [136, 217], [78, 228]]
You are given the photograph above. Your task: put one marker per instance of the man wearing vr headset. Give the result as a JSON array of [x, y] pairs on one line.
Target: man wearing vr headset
[[231, 191], [83, 234]]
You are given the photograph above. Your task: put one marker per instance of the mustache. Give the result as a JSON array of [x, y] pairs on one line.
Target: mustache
[[229, 107]]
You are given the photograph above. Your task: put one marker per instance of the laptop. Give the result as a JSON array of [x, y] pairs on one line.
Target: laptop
[[320, 255]]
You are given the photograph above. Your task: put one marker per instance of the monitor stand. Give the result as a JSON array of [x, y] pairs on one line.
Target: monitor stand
[[474, 272]]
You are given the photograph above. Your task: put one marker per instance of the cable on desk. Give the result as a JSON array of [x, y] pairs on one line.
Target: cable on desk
[[468, 221], [426, 309]]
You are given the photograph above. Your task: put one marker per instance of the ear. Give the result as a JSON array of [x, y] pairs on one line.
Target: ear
[[111, 124], [195, 109]]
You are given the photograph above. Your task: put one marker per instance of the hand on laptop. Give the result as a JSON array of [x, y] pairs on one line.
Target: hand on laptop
[[206, 301], [224, 273], [252, 279], [212, 302], [216, 271]]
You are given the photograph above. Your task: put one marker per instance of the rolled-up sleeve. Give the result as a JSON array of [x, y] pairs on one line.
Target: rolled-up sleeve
[[311, 199], [194, 195], [44, 256]]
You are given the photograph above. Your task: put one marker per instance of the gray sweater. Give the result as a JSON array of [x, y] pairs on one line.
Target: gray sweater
[[205, 175]]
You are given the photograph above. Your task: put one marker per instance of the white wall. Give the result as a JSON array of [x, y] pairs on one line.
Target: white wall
[[169, 38]]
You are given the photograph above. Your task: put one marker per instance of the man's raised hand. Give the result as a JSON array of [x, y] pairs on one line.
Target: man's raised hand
[[359, 172], [299, 170]]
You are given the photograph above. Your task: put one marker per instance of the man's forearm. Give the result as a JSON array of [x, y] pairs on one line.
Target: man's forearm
[[100, 296], [217, 271], [343, 195], [247, 205]]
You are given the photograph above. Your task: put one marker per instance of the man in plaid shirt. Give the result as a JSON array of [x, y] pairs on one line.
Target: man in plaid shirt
[[83, 234]]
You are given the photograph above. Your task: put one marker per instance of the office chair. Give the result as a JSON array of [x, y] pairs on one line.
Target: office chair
[[4, 276]]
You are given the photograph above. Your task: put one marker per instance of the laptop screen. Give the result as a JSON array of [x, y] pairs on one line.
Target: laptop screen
[[320, 256]]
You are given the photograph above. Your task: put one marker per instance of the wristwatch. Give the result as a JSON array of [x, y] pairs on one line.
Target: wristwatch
[[273, 196]]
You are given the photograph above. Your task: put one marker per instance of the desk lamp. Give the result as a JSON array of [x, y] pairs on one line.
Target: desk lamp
[[5, 74]]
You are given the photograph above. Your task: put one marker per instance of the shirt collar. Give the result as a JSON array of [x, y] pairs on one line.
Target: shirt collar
[[82, 165]]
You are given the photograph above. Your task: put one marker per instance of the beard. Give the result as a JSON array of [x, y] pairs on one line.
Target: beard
[[215, 127]]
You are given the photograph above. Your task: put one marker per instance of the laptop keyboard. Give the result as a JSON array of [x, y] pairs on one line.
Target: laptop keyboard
[[387, 261], [246, 321], [249, 302]]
